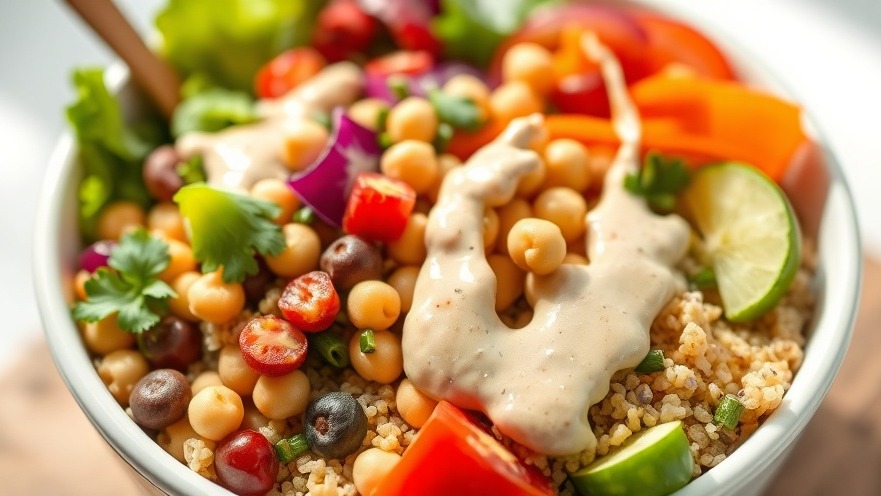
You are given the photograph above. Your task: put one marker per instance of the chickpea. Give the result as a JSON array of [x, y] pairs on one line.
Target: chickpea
[[304, 141], [281, 397], [514, 99], [234, 372], [370, 467], [490, 228], [403, 279], [566, 208], [253, 420], [509, 280], [445, 163], [568, 164], [301, 253], [205, 379], [413, 118], [172, 438], [509, 214], [215, 301], [366, 112], [105, 336], [373, 305], [413, 162], [410, 247], [118, 218], [279, 193], [531, 183], [181, 260], [536, 245], [79, 284], [530, 63], [215, 412], [166, 218], [413, 405], [384, 364], [180, 306], [120, 371], [470, 87]]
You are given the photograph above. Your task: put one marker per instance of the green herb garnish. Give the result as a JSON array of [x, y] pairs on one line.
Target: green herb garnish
[[211, 111], [133, 288], [304, 215], [653, 362], [704, 278], [228, 228], [367, 341], [659, 180], [728, 412], [287, 449], [331, 348], [457, 111]]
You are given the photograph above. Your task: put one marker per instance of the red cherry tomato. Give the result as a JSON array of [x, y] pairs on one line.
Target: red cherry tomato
[[343, 29], [451, 455], [286, 71], [417, 36], [671, 41], [246, 463], [310, 302], [272, 346], [402, 62], [378, 207]]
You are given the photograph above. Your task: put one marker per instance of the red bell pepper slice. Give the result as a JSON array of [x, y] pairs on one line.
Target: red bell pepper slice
[[453, 456], [378, 207]]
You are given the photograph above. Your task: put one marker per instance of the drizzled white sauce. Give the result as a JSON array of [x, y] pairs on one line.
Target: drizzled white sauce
[[537, 383], [238, 157]]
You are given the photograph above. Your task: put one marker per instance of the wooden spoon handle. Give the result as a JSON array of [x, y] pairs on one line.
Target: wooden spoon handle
[[154, 75]]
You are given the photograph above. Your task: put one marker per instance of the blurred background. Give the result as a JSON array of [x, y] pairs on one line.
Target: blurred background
[[827, 52]]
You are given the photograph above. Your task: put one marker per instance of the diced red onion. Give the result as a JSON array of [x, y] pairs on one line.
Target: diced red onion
[[96, 255]]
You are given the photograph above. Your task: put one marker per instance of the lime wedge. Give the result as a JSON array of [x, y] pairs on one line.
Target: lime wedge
[[653, 462], [750, 235]]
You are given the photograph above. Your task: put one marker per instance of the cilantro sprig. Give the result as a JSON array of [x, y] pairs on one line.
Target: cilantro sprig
[[227, 228], [659, 180], [132, 288], [459, 112]]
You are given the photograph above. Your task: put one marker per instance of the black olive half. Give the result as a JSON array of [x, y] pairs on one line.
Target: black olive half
[[335, 425]]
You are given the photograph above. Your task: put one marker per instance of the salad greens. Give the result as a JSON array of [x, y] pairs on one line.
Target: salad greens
[[133, 289], [111, 151], [471, 30], [246, 226], [457, 111], [226, 41], [212, 110], [659, 180]]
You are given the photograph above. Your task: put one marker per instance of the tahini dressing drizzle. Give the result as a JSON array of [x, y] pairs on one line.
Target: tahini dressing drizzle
[[537, 383], [238, 157]]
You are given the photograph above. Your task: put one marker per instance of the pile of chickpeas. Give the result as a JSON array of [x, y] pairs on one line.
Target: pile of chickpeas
[[539, 229]]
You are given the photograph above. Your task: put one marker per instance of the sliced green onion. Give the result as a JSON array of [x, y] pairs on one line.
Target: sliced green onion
[[399, 87], [457, 111], [653, 362], [728, 412], [290, 448], [331, 348], [381, 117], [443, 137], [385, 140], [324, 119], [367, 341], [304, 215], [703, 279]]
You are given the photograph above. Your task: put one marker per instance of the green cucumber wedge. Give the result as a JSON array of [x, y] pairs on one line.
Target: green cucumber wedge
[[750, 235], [653, 462]]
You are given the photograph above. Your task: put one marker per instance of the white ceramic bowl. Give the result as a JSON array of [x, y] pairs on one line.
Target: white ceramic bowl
[[746, 471]]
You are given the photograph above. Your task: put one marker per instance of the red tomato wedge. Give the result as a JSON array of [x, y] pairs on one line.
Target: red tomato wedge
[[453, 456], [402, 62], [272, 346], [310, 302], [286, 71], [378, 207], [671, 41]]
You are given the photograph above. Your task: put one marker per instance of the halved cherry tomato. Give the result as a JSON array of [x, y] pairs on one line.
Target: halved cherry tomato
[[452, 455], [310, 302], [401, 62], [378, 207], [343, 29], [286, 71], [272, 346], [671, 41]]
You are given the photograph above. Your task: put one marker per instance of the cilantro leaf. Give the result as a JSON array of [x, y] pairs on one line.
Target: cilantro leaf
[[227, 228], [659, 180], [457, 111], [133, 289]]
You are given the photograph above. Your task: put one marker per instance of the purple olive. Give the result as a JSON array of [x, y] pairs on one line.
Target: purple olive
[[350, 260], [174, 343], [160, 398], [160, 173]]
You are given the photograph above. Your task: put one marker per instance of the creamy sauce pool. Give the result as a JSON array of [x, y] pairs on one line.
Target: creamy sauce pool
[[537, 383], [239, 156]]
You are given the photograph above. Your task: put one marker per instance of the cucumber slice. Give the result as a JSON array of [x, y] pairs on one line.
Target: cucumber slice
[[750, 234], [653, 462]]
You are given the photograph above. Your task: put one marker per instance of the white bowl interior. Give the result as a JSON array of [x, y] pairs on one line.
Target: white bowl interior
[[746, 470]]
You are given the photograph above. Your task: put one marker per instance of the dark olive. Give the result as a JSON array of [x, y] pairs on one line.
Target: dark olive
[[160, 173], [350, 260], [335, 425], [173, 344], [256, 285], [160, 398]]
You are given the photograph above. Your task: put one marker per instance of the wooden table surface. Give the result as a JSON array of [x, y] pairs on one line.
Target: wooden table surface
[[47, 446]]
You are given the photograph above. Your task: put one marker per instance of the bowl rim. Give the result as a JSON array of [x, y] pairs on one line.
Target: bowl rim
[[763, 448]]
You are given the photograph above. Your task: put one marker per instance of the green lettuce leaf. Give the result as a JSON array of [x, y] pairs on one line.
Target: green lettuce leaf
[[227, 41], [212, 110]]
